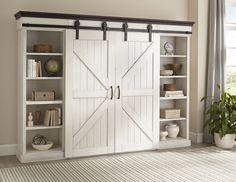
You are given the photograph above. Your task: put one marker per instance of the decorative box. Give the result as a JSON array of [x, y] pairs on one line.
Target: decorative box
[[170, 113], [43, 95], [42, 48]]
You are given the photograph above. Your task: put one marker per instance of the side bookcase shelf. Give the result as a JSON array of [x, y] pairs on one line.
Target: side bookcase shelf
[[180, 79], [45, 82]]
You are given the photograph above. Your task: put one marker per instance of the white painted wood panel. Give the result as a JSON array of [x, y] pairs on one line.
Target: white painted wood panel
[[135, 77], [91, 107]]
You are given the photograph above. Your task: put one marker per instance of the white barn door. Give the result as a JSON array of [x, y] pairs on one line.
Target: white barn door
[[136, 93], [90, 105]]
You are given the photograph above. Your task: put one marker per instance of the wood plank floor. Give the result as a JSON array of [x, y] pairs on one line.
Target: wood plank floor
[[12, 161]]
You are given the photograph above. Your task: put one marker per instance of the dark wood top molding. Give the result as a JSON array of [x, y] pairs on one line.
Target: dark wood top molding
[[100, 18]]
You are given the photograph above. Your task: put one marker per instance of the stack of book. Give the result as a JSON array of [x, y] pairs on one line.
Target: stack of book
[[34, 68], [53, 117], [177, 93]]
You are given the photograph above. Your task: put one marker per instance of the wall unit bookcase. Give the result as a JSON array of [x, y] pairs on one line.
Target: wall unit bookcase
[[181, 79], [45, 82], [109, 89]]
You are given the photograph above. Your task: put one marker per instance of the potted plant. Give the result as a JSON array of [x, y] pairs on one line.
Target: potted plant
[[222, 119]]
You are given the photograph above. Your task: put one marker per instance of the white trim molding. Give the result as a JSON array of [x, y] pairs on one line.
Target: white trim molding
[[9, 149], [196, 137]]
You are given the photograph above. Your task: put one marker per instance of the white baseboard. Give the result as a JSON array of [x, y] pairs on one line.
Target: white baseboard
[[9, 149], [196, 137]]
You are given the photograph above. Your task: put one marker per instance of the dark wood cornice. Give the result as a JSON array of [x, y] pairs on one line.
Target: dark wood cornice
[[100, 18]]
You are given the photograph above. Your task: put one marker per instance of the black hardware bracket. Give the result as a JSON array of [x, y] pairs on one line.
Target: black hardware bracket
[[77, 26], [104, 29], [149, 28], [125, 30]]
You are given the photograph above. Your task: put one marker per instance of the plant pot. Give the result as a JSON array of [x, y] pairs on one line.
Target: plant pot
[[227, 142]]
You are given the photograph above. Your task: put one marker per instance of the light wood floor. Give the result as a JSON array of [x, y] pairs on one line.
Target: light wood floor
[[11, 161]]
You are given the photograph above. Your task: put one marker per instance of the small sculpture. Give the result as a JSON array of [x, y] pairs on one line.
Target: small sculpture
[[30, 120], [169, 48], [163, 135]]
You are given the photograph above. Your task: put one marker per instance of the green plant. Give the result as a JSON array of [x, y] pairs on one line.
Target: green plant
[[221, 114]]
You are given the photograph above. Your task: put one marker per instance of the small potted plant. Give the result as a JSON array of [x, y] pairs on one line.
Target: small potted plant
[[222, 119]]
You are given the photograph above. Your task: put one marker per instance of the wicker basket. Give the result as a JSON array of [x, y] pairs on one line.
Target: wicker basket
[[43, 48]]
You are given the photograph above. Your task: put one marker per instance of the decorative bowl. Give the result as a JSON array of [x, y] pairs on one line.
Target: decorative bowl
[[170, 87], [47, 146], [166, 72], [175, 67]]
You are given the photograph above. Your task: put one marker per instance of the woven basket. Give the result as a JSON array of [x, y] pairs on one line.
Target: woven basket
[[43, 48]]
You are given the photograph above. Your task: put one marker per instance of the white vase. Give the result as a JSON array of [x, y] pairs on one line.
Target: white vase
[[173, 130], [226, 142], [163, 135]]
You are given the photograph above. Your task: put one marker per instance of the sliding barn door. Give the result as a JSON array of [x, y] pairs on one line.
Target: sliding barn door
[[90, 103], [136, 93]]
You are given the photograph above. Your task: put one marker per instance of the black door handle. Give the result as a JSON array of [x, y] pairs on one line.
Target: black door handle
[[118, 92], [111, 92]]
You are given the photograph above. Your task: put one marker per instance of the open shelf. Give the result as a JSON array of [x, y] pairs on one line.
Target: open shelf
[[173, 56], [54, 149], [44, 78], [174, 76], [43, 54], [174, 119], [174, 143], [173, 98], [43, 127], [43, 102]]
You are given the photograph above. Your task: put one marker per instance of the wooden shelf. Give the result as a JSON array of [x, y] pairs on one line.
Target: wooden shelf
[[173, 56], [43, 54], [174, 143], [172, 98], [54, 149], [43, 127], [43, 102], [173, 139], [174, 119], [174, 76], [44, 78]]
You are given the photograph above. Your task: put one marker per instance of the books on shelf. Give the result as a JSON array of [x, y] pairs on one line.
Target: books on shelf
[[34, 68], [53, 117], [177, 93]]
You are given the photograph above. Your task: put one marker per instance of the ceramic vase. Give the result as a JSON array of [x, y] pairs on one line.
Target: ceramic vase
[[173, 130]]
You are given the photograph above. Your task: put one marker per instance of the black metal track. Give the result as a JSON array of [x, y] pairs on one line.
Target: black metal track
[[100, 28], [100, 18]]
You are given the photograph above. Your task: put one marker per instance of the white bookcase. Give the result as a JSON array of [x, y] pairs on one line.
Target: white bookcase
[[181, 55], [109, 88], [27, 38]]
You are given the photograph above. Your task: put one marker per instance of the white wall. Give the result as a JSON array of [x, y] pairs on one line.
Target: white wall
[[198, 12], [160, 9]]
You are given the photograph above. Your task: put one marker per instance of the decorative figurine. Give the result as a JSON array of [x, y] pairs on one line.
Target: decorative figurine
[[163, 135], [30, 120], [169, 48]]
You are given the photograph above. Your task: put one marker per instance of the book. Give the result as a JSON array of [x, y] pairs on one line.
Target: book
[[58, 109], [178, 93], [47, 118], [30, 67], [40, 69], [34, 71], [173, 92]]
